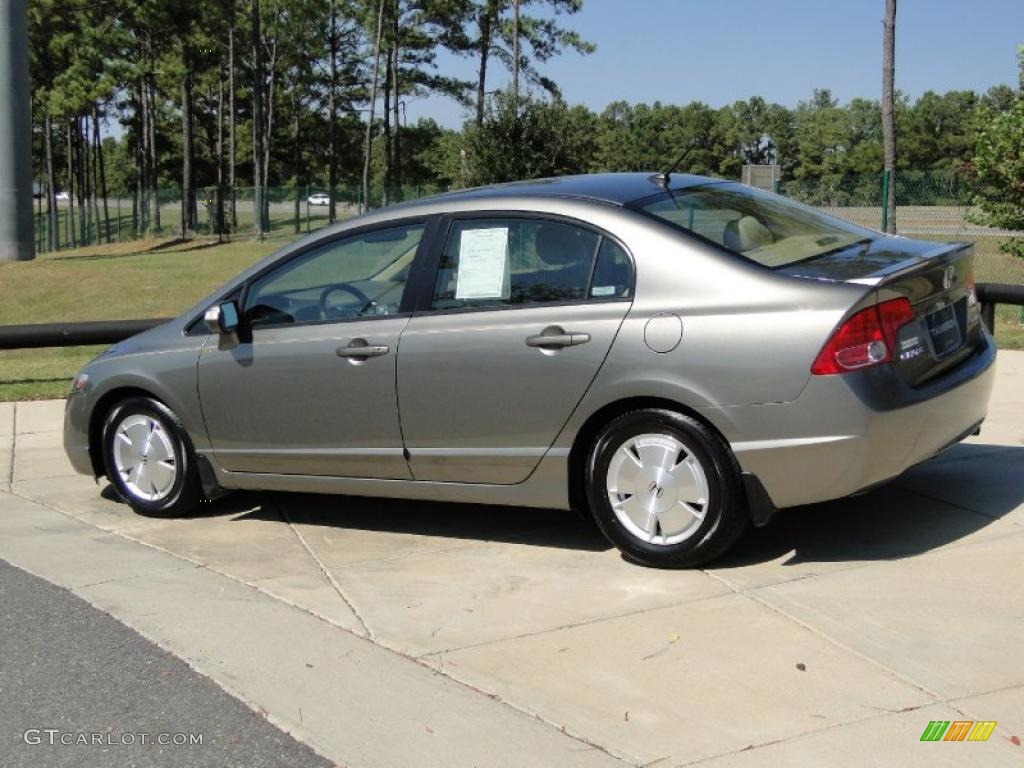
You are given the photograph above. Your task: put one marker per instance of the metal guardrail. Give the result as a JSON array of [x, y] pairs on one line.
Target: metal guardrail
[[112, 331], [990, 294], [73, 334]]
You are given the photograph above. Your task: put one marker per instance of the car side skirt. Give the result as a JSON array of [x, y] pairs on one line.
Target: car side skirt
[[546, 487]]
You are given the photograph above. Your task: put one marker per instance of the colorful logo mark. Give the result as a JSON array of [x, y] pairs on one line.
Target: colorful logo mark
[[958, 730]]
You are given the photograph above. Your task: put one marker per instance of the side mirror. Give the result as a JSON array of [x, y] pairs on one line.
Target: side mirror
[[222, 319]]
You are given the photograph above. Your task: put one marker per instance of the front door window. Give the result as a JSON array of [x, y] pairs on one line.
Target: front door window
[[359, 276]]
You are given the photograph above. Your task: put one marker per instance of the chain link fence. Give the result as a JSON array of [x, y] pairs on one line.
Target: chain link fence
[[930, 205], [226, 214]]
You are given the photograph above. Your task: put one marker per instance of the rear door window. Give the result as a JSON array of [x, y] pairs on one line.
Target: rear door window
[[613, 273], [515, 261]]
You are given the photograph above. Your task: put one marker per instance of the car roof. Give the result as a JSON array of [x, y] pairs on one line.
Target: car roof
[[613, 188]]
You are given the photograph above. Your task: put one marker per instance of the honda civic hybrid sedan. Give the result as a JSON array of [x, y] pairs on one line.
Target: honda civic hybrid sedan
[[676, 356]]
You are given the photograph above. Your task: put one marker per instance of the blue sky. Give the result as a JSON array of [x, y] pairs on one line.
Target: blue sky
[[718, 51]]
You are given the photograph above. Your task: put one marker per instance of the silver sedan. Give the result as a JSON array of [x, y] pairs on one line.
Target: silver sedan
[[679, 357]]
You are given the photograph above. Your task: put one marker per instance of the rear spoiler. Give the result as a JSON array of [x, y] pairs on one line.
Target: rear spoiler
[[944, 251]]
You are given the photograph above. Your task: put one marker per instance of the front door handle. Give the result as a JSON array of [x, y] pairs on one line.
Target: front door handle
[[360, 350], [554, 337]]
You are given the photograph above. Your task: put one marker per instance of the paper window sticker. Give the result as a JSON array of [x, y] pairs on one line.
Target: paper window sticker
[[483, 264]]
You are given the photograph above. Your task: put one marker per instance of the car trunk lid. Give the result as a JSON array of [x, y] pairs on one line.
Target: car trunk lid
[[937, 280]]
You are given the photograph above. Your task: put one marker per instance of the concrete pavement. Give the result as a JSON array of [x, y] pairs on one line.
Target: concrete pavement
[[386, 633]]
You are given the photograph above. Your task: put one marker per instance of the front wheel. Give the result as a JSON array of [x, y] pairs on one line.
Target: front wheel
[[665, 489], [149, 458]]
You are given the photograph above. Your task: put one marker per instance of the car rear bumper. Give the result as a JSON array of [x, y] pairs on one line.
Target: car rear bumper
[[840, 442]]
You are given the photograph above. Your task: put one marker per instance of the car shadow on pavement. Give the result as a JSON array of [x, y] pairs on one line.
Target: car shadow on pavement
[[534, 527], [934, 504]]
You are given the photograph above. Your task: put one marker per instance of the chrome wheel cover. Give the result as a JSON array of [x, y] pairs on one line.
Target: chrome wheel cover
[[144, 457], [658, 489]]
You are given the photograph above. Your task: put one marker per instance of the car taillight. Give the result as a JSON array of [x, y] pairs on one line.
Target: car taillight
[[867, 338], [972, 291]]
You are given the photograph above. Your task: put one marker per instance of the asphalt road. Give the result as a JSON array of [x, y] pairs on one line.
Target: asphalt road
[[67, 667]]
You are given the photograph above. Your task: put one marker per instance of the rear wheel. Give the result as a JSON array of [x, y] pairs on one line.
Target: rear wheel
[[665, 489], [149, 458]]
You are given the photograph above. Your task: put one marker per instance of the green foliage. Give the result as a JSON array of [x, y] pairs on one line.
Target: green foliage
[[531, 139], [999, 165], [647, 138]]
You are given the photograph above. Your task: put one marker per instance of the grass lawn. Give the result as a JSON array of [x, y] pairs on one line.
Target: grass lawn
[[161, 278], [143, 278]]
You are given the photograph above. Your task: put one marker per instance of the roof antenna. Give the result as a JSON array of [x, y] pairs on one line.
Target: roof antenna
[[664, 177]]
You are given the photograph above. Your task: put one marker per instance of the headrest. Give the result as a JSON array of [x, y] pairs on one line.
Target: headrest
[[560, 245], [746, 234]]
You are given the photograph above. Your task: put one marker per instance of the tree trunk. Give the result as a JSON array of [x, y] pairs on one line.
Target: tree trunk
[[154, 202], [297, 159], [218, 221], [332, 118], [368, 148], [52, 235], [139, 214], [258, 123], [484, 24], [396, 141], [83, 189], [72, 193], [232, 212], [79, 195], [102, 171], [92, 175], [94, 169], [888, 109], [268, 133], [188, 193], [515, 55], [386, 194]]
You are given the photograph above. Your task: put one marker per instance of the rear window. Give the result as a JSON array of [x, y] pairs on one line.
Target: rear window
[[768, 229]]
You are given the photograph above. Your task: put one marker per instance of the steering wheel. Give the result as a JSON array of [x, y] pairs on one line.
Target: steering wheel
[[331, 312]]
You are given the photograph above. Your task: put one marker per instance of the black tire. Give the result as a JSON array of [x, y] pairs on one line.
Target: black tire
[[186, 492], [725, 514]]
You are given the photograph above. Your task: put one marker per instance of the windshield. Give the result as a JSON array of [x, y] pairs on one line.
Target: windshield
[[771, 230]]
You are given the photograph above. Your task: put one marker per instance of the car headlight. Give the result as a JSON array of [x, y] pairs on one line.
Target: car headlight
[[80, 382]]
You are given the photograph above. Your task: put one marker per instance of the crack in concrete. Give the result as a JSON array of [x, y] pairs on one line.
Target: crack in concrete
[[574, 625], [14, 445], [323, 568], [123, 579]]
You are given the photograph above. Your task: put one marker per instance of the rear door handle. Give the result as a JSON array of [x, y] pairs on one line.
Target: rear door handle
[[359, 349], [556, 338]]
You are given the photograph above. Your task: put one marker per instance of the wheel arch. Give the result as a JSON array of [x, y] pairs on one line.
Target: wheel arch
[[586, 435]]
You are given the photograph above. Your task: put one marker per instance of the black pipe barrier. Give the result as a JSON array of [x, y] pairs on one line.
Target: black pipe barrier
[[72, 334], [112, 331], [990, 294]]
